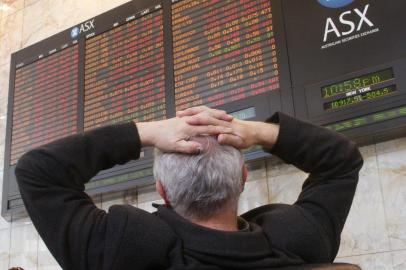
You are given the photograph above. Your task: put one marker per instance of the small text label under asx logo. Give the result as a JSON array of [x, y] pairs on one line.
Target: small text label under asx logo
[[335, 3], [350, 25]]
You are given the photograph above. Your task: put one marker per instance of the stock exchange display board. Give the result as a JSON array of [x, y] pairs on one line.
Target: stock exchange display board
[[45, 101], [124, 73], [223, 51], [340, 64]]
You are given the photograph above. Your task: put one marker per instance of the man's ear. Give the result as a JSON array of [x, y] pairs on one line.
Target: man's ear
[[161, 191], [244, 176]]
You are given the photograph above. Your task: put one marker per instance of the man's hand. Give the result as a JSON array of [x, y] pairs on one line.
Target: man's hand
[[243, 133], [173, 135]]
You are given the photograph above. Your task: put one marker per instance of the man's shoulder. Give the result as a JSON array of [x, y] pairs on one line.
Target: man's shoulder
[[130, 228], [281, 217], [128, 215], [290, 228]]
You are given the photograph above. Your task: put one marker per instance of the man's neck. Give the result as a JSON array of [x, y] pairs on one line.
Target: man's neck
[[223, 221]]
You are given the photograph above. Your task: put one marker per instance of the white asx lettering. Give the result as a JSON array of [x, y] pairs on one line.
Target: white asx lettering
[[84, 27], [363, 17], [347, 22]]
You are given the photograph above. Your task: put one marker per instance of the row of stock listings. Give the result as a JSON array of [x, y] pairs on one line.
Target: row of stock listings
[[223, 51]]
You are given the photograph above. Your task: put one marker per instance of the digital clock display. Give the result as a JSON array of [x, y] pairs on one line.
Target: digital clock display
[[357, 83], [342, 102]]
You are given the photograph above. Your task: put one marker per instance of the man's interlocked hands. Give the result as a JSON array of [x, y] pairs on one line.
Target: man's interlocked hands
[[172, 135]]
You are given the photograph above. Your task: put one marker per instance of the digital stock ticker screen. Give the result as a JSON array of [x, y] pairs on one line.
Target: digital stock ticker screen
[[224, 51], [146, 59], [124, 73], [45, 101]]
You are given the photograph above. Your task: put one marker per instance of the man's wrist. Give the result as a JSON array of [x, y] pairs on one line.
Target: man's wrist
[[266, 134], [146, 133]]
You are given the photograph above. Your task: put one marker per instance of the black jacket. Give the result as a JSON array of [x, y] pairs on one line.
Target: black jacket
[[81, 236]]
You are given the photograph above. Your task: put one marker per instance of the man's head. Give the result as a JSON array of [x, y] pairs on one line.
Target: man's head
[[199, 186]]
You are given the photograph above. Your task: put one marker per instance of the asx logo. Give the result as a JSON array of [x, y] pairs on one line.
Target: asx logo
[[347, 23], [335, 3], [84, 27]]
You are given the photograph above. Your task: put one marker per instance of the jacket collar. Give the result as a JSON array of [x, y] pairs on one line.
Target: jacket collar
[[250, 241]]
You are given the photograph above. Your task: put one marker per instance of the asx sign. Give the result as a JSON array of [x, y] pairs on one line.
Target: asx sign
[[347, 23], [84, 27]]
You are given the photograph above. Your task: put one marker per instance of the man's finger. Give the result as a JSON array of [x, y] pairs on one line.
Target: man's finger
[[204, 119], [221, 115], [187, 147], [211, 130], [191, 111], [230, 139]]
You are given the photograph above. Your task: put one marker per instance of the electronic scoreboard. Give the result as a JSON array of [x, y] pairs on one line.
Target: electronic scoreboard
[[336, 63]]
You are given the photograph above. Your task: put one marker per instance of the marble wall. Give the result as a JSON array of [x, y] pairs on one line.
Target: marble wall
[[374, 235]]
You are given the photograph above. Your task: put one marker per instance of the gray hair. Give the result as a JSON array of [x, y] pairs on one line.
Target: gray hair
[[198, 186]]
